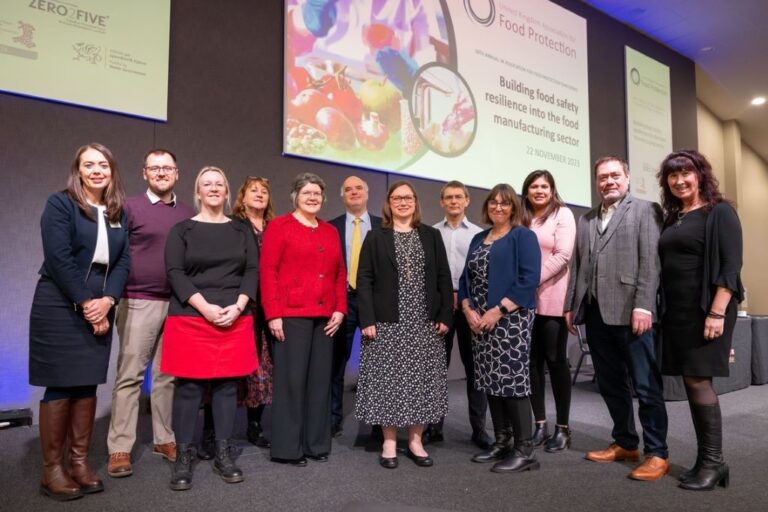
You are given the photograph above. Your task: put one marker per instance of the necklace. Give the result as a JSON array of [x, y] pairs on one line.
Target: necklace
[[492, 237], [681, 214]]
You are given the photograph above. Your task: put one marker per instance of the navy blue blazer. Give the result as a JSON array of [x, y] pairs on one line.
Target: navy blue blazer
[[514, 268], [340, 223], [69, 241]]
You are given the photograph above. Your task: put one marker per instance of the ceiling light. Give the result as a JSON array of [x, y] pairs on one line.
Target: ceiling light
[[707, 49], [759, 100]]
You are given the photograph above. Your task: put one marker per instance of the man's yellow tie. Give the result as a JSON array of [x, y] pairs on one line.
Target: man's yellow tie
[[355, 256]]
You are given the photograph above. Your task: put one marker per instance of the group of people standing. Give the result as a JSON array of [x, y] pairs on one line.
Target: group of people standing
[[251, 309]]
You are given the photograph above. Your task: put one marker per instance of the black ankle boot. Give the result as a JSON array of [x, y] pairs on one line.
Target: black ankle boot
[[207, 445], [713, 470], [499, 449], [256, 436], [224, 465], [541, 433], [561, 440], [521, 459], [181, 480]]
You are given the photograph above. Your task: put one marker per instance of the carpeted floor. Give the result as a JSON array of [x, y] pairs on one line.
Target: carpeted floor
[[353, 481]]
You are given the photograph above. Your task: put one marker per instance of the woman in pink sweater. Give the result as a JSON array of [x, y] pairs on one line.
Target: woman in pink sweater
[[547, 216]]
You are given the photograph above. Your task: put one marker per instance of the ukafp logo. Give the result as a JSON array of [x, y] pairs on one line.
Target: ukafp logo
[[482, 11]]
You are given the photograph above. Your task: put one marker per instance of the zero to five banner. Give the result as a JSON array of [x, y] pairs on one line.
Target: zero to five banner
[[110, 55]]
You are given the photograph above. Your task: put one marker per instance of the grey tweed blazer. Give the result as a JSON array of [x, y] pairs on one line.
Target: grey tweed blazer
[[624, 258]]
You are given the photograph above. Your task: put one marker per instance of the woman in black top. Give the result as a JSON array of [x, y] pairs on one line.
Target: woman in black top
[[208, 340], [85, 246], [701, 254]]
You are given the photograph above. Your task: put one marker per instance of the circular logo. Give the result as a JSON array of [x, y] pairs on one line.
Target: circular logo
[[483, 20], [634, 75]]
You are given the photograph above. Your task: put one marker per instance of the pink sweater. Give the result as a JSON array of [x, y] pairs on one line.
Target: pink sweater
[[556, 238]]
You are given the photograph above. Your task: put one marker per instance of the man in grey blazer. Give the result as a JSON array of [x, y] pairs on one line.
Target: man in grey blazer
[[612, 290]]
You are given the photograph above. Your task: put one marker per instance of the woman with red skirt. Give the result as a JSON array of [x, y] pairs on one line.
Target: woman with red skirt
[[208, 341]]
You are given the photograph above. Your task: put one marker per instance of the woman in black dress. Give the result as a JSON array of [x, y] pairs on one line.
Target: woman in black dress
[[497, 292], [208, 339], [85, 246], [405, 297], [701, 256]]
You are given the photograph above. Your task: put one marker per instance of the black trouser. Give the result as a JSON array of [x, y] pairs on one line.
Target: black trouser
[[549, 343], [619, 355], [512, 413], [476, 400], [301, 379], [342, 350], [186, 405]]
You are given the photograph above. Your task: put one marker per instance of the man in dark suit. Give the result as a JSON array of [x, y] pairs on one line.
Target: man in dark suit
[[612, 290], [352, 226]]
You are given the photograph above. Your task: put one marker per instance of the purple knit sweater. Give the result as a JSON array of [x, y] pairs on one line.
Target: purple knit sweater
[[148, 226]]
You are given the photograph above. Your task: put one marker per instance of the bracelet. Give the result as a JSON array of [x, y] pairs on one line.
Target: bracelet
[[716, 316]]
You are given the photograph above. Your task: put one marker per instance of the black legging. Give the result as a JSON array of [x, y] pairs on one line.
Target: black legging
[[549, 343], [186, 404]]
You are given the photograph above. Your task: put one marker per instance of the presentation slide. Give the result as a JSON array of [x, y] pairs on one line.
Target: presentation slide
[[649, 121], [483, 91], [106, 54]]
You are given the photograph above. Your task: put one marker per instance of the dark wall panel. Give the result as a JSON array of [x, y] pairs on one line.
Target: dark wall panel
[[225, 109]]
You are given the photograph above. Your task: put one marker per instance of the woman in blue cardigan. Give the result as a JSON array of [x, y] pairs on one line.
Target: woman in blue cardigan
[[86, 263], [498, 296]]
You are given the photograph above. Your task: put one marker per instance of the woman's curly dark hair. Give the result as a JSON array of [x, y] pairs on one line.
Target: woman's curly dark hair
[[687, 160]]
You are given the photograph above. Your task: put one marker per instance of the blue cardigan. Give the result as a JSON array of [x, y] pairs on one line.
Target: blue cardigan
[[69, 241], [514, 268]]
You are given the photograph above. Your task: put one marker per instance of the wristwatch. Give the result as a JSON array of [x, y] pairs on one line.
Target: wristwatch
[[503, 309]]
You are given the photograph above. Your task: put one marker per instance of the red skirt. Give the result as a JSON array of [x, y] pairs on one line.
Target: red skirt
[[195, 349]]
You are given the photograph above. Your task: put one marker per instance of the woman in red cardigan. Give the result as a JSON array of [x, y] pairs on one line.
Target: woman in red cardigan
[[304, 294]]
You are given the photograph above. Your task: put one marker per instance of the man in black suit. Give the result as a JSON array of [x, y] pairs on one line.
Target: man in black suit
[[352, 227]]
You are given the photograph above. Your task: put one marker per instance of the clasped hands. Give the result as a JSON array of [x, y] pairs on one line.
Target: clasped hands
[[221, 316], [95, 311], [482, 323]]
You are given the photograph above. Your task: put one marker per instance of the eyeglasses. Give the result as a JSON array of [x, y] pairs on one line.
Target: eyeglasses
[[493, 204], [157, 169], [310, 193], [402, 199]]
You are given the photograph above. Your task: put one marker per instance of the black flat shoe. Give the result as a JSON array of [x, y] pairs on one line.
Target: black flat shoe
[[301, 461], [323, 457], [423, 462], [388, 462]]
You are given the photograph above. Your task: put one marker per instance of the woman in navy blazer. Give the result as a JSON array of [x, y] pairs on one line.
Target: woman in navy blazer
[[497, 292], [85, 267]]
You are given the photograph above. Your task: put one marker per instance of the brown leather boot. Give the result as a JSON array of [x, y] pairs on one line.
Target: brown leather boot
[[81, 415], [54, 421]]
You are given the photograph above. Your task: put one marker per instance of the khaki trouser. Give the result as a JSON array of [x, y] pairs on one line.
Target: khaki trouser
[[140, 327]]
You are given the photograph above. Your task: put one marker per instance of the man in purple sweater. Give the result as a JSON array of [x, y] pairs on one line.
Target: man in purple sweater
[[141, 314]]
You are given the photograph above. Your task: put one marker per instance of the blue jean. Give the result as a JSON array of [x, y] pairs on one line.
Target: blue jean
[[619, 355]]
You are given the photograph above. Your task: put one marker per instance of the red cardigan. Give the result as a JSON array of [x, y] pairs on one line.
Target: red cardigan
[[302, 270]]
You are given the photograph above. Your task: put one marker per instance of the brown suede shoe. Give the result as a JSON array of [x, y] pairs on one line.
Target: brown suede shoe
[[612, 454], [167, 450], [652, 468], [119, 465]]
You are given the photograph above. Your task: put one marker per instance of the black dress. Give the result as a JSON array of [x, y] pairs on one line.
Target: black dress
[[403, 375], [684, 349]]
